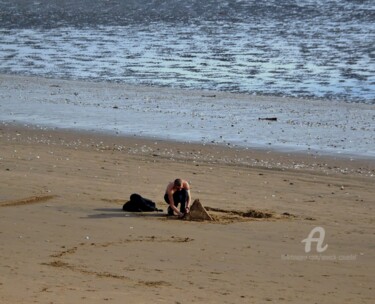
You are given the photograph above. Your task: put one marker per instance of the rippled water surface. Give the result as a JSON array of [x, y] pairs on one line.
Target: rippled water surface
[[294, 48]]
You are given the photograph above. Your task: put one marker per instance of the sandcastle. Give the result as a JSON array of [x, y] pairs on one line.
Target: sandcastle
[[197, 212]]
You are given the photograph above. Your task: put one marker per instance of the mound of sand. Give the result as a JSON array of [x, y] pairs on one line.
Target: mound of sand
[[198, 212]]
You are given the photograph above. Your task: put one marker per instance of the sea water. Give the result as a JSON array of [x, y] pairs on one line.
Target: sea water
[[300, 48], [312, 50]]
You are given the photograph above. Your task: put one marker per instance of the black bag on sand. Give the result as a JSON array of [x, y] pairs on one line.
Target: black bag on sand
[[138, 203]]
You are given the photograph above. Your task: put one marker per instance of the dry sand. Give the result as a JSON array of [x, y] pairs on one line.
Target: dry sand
[[65, 239]]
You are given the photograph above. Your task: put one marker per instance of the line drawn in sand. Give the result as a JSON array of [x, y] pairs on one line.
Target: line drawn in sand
[[60, 262]]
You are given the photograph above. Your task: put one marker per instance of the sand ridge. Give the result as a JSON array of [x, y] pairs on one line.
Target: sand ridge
[[26, 201]]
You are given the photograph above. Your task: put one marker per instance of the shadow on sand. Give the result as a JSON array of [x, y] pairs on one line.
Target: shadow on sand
[[117, 212]]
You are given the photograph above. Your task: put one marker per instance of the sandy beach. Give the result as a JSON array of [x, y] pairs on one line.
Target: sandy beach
[[266, 108], [65, 238]]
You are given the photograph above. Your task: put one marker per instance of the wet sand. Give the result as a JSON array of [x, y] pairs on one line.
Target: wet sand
[[66, 239], [316, 127]]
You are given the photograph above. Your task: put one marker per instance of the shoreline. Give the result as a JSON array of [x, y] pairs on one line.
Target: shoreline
[[202, 117], [208, 153]]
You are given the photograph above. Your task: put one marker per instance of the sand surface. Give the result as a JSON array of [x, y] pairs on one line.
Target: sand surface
[[206, 117], [65, 239]]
